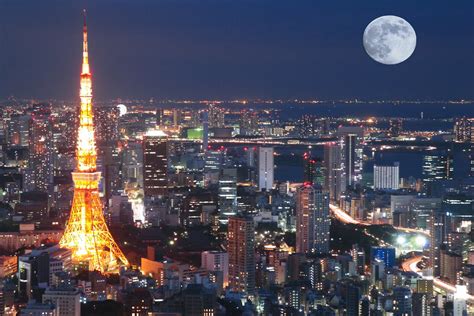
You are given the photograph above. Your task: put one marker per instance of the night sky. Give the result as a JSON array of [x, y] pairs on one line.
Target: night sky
[[233, 49]]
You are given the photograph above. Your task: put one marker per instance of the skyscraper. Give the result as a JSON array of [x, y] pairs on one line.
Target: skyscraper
[[383, 254], [464, 130], [241, 248], [155, 163], [402, 301], [334, 175], [438, 166], [387, 177], [41, 149], [352, 138], [227, 194], [437, 229], [313, 170], [86, 233], [312, 220], [265, 168], [216, 116], [216, 261], [248, 122]]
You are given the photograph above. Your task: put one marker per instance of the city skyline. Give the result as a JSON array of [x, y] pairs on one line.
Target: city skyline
[[285, 206]]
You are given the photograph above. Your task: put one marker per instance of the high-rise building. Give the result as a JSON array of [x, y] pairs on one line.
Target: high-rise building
[[313, 170], [241, 248], [387, 177], [199, 301], [402, 301], [460, 301], [41, 149], [312, 220], [216, 116], [216, 261], [464, 130], [106, 119], [307, 126], [383, 254], [265, 168], [438, 166], [248, 122], [18, 130], [352, 138], [334, 174], [421, 304], [437, 228], [450, 266], [155, 163], [65, 298], [86, 232], [227, 194]]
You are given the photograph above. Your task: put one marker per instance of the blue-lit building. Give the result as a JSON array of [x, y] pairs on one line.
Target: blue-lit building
[[384, 254]]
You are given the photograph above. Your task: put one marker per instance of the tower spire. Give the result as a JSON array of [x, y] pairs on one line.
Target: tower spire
[[85, 50], [86, 233]]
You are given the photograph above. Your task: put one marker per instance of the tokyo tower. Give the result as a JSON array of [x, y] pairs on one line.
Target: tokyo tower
[[86, 233]]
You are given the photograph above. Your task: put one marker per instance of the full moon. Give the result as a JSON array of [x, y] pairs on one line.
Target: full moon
[[389, 40], [122, 109]]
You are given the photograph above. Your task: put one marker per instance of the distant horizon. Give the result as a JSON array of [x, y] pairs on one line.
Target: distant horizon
[[243, 101]]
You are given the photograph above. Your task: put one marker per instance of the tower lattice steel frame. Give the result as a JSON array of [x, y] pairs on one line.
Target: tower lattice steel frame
[[86, 233]]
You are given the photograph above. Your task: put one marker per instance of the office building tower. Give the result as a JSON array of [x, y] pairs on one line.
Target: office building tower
[[464, 130], [241, 249], [460, 301], [352, 297], [155, 163], [352, 138], [450, 266], [33, 271], [216, 261], [387, 177], [402, 301], [308, 126], [248, 122], [18, 130], [312, 220], [106, 123], [358, 256], [421, 304], [438, 166], [34, 308], [65, 298], [41, 148], [199, 301], [216, 116], [425, 286], [334, 175], [265, 168], [205, 130], [437, 228], [313, 170], [227, 194], [383, 254]]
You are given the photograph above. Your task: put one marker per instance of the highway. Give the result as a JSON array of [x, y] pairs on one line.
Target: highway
[[409, 264], [347, 219]]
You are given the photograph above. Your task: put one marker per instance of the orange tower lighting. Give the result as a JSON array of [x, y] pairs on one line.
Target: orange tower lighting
[[86, 233]]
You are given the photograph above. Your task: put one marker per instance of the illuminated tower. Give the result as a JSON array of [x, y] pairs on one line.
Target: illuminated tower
[[86, 233]]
